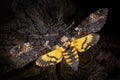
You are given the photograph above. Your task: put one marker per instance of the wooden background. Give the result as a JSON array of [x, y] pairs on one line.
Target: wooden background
[[21, 19]]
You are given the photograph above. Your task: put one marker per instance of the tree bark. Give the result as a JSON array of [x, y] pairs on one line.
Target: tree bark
[[30, 21]]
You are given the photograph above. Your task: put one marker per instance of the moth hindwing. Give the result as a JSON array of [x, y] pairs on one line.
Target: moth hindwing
[[51, 58]]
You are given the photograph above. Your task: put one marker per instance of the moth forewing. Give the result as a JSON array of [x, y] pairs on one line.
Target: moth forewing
[[21, 49], [93, 23]]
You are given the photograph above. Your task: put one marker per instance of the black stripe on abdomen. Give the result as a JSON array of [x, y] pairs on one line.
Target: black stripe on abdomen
[[72, 59]]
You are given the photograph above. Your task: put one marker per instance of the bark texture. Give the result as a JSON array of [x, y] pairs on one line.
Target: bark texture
[[31, 21]]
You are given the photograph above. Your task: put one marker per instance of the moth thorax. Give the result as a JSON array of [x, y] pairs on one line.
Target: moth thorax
[[65, 41], [66, 44]]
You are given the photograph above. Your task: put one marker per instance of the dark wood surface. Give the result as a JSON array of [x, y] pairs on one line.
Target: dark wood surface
[[29, 20]]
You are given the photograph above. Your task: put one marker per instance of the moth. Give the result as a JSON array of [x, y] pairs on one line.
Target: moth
[[82, 39]]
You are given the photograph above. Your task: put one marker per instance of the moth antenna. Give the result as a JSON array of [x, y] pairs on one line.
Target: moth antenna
[[70, 26]]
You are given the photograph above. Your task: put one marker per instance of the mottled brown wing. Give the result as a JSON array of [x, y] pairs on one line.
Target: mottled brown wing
[[93, 23], [24, 53]]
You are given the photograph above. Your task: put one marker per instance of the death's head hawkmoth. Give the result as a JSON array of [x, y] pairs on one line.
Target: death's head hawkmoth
[[83, 37]]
